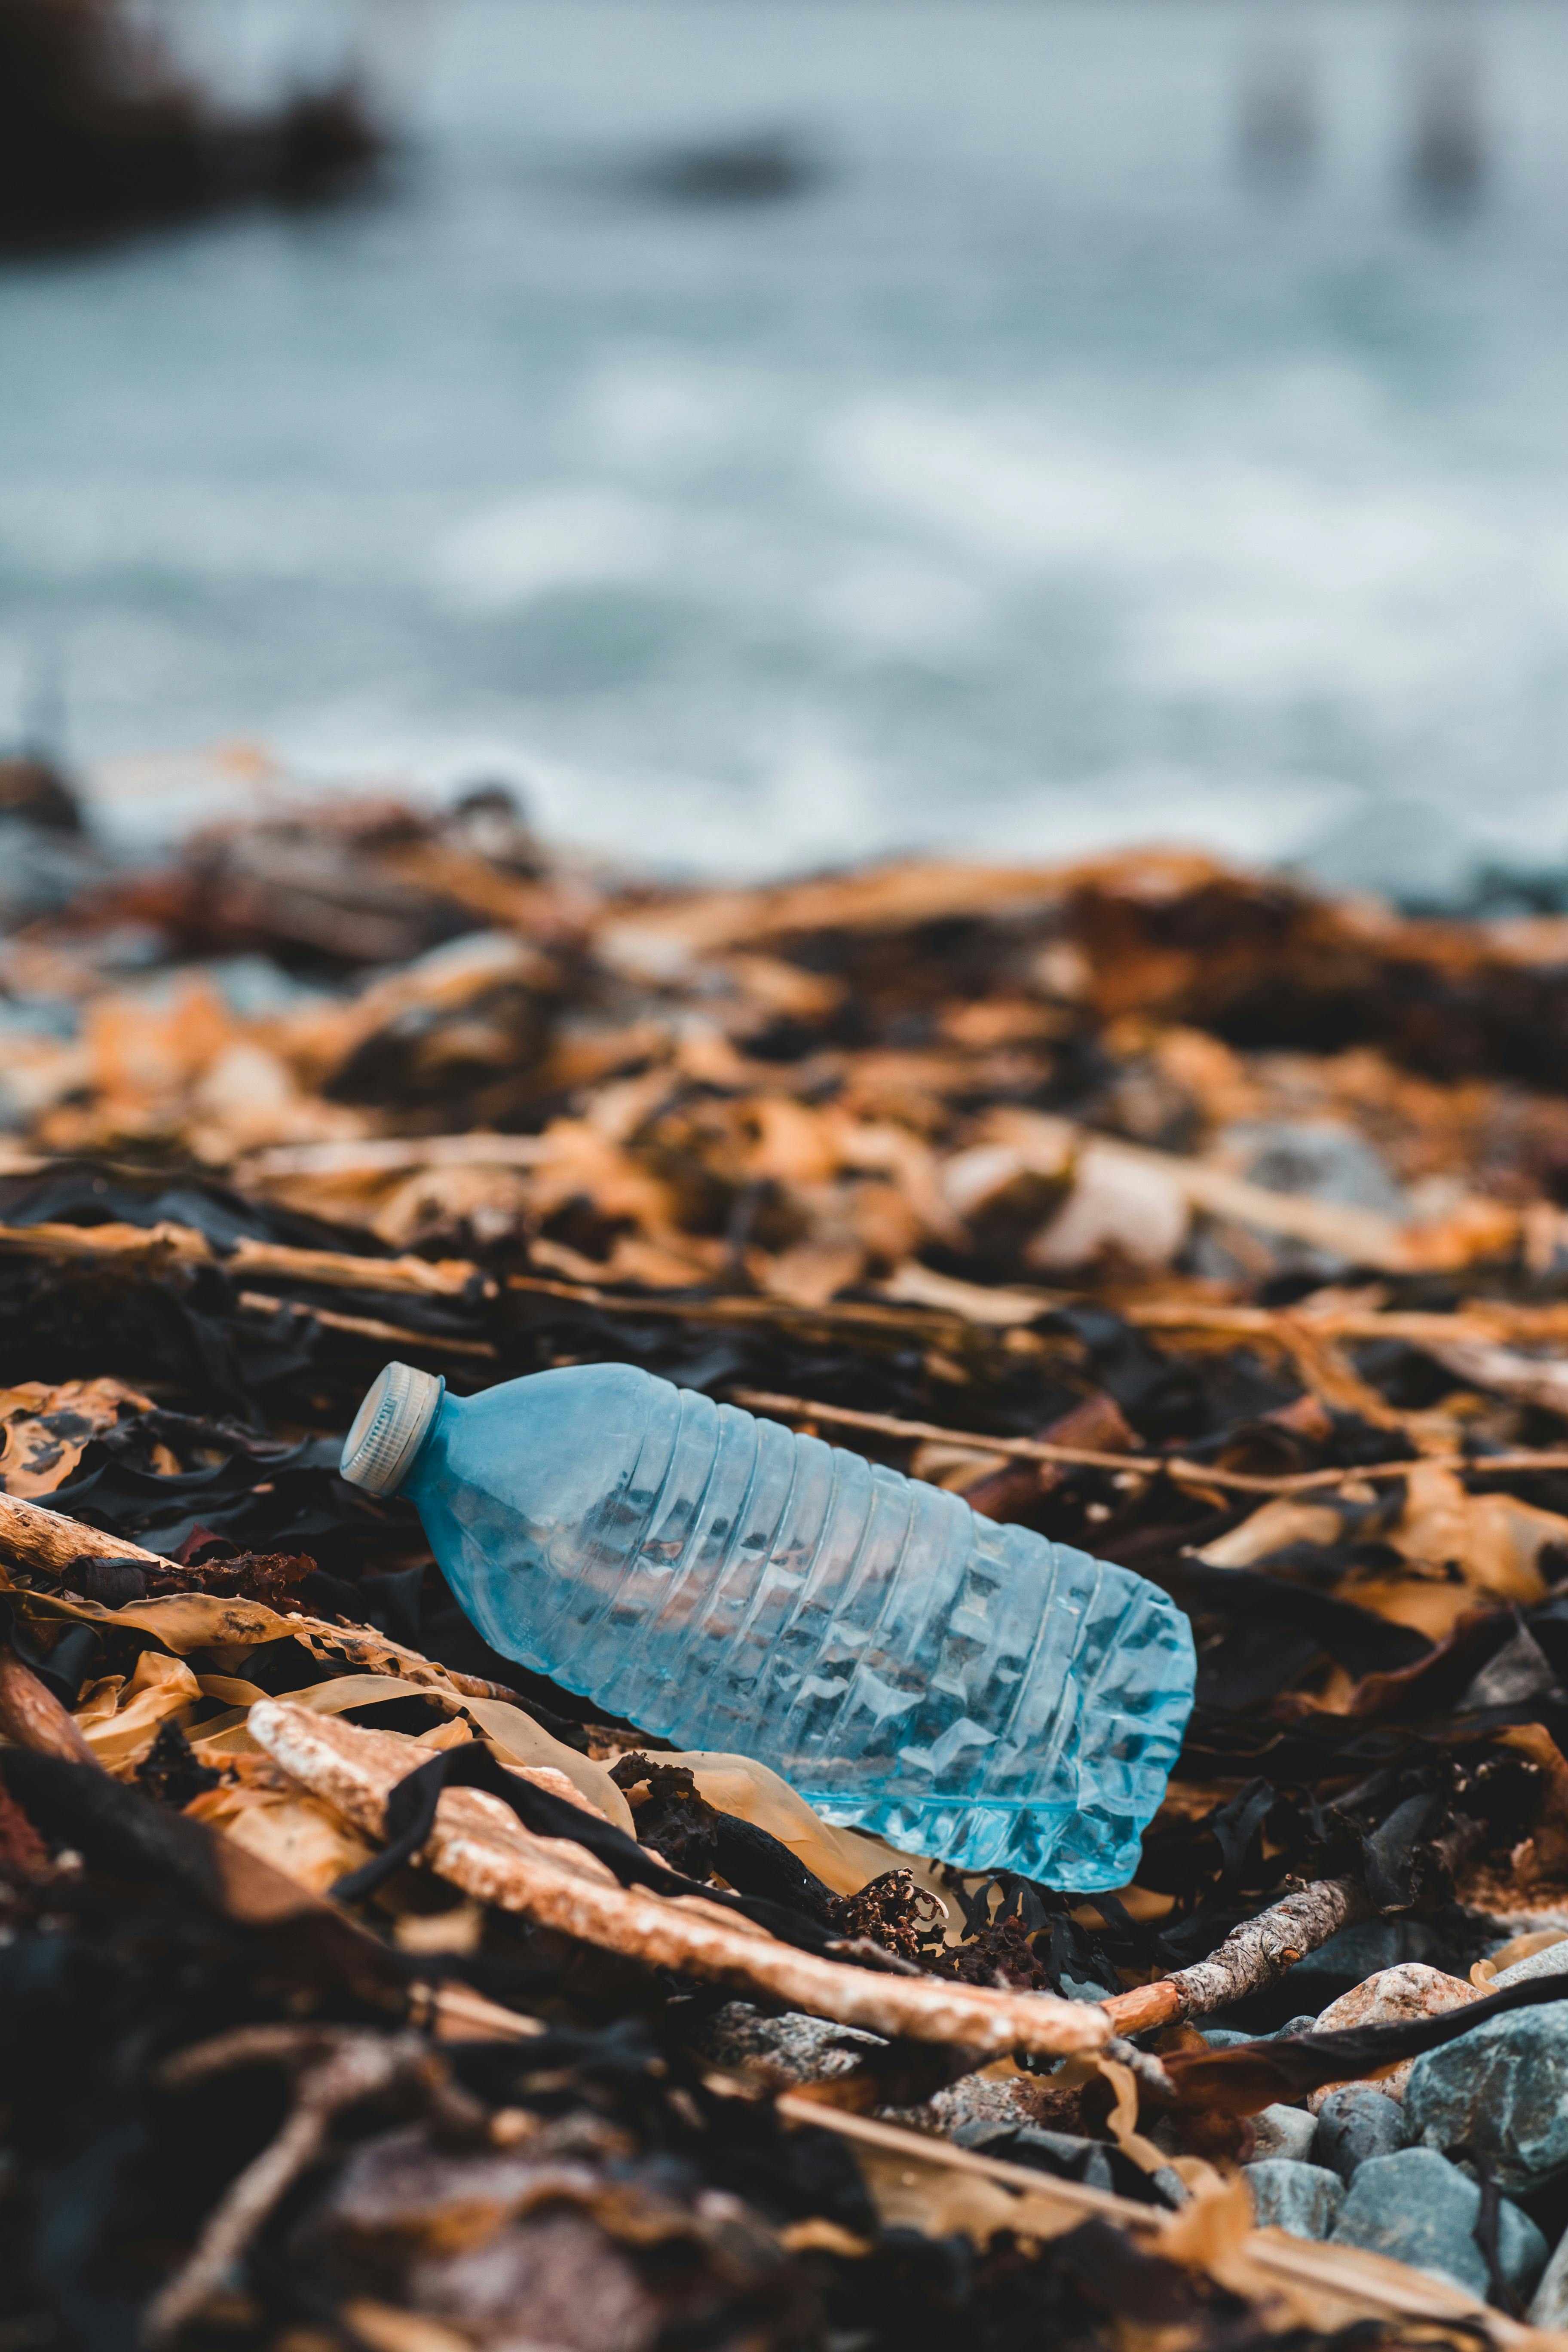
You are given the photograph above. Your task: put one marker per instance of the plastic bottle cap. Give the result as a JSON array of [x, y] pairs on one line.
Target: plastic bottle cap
[[390, 1427]]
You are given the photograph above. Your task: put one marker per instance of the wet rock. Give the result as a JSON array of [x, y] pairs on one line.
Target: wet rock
[[1551, 1962], [1069, 2156], [1064, 2154], [1358, 1952], [1284, 2132], [1411, 1990], [786, 2050], [1417, 2207], [1354, 2125], [1301, 2197], [1550, 2308], [1504, 2087]]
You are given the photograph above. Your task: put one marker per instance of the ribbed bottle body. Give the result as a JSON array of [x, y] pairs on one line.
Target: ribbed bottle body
[[962, 1688]]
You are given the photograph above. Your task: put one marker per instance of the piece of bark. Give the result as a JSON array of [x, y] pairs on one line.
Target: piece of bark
[[1251, 1957], [479, 1846], [35, 1537], [32, 1717], [168, 1244]]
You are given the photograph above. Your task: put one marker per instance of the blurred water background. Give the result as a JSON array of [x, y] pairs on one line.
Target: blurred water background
[[776, 431]]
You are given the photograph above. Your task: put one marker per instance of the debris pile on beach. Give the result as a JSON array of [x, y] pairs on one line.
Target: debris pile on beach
[[1185, 1217]]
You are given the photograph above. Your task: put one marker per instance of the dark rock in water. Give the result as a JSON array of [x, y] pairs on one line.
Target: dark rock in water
[[1284, 2131], [1418, 2208], [1503, 2087], [100, 133], [1356, 2123], [761, 169], [1301, 2197]]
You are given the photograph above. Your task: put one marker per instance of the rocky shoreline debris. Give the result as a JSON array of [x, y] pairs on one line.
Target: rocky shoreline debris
[[1214, 1226]]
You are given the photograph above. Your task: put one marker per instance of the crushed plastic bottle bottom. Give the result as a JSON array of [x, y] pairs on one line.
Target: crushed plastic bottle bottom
[[1069, 1845]]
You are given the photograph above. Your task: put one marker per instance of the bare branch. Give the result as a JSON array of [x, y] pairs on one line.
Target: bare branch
[[478, 1846], [1185, 1473], [1252, 1956]]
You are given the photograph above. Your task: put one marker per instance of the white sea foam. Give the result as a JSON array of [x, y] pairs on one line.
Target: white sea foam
[[1029, 479]]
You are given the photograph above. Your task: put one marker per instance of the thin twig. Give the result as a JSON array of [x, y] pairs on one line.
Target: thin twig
[[848, 1314], [348, 2066], [1186, 1473], [1252, 1956], [364, 1327]]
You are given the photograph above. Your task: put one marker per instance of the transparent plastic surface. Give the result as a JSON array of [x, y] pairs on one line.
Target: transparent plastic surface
[[961, 1688]]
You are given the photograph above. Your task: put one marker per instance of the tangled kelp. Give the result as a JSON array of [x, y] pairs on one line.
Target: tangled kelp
[[1168, 1210]]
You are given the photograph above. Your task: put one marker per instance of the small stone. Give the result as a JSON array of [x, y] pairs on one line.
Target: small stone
[[1355, 2123], [1505, 2087], [1551, 1962], [1301, 2197], [788, 2049], [1412, 1990], [1550, 2308], [1065, 2154], [1225, 2037], [1284, 2131], [1418, 2208], [1358, 1952]]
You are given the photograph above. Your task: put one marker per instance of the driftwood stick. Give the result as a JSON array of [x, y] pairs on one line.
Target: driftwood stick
[[479, 1847], [364, 1327], [1188, 1474], [1251, 1957], [32, 1717], [338, 2069], [33, 1538]]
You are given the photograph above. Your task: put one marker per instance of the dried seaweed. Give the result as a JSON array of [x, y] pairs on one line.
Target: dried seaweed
[[1172, 1212]]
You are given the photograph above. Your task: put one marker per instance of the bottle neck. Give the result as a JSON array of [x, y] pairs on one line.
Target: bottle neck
[[429, 1453]]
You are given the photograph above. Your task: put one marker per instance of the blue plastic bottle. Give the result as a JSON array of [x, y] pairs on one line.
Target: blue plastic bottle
[[963, 1689]]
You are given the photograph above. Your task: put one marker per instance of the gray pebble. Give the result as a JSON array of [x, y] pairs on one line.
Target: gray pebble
[[1301, 2197], [1284, 2131], [1503, 2085], [1417, 2207], [1551, 1962], [1355, 2123], [1226, 2037], [793, 2048], [1550, 2308], [1064, 2154]]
